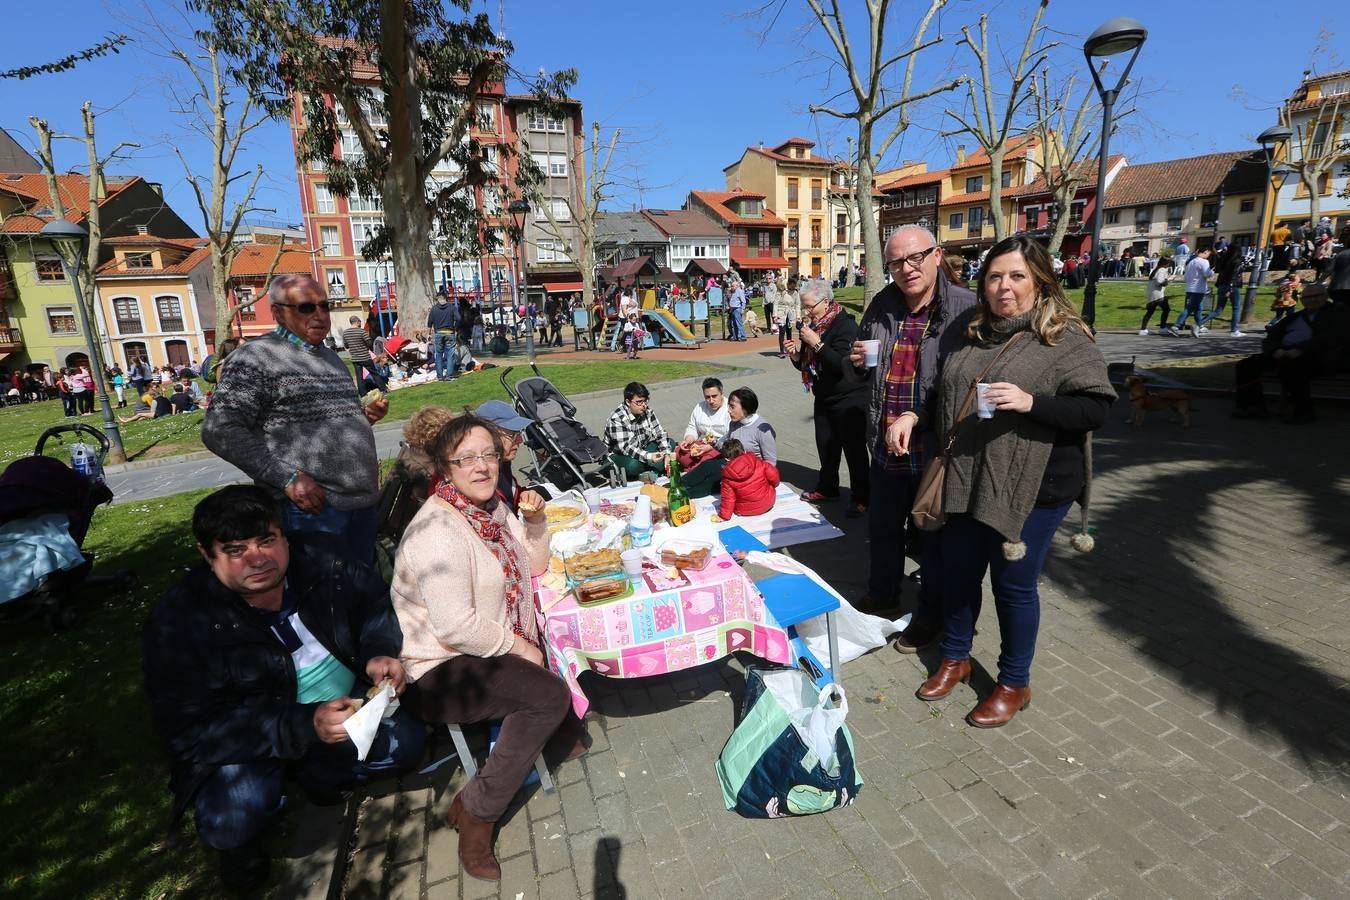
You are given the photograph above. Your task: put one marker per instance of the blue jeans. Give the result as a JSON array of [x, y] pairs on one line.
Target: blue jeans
[[1223, 294], [443, 348], [237, 801], [969, 547], [368, 370], [354, 528], [891, 498], [1194, 307], [737, 327]]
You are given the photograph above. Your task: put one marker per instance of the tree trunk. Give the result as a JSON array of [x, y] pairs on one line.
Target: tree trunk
[[410, 231], [1061, 226], [996, 155], [1314, 198], [874, 257]]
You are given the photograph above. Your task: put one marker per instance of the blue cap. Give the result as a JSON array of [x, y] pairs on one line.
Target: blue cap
[[502, 415]]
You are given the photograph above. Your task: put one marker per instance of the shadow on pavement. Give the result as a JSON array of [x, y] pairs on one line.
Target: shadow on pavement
[[1217, 552]]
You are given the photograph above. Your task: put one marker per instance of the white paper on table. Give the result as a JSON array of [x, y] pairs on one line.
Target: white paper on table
[[362, 726], [858, 632]]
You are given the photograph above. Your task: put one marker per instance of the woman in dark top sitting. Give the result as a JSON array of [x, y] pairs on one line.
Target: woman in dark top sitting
[[1012, 478], [840, 412]]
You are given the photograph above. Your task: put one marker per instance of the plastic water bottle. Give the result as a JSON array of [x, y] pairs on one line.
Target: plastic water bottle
[[640, 525], [84, 459]]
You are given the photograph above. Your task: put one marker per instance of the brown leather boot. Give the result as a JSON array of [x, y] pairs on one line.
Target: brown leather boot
[[942, 682], [998, 708], [475, 842]]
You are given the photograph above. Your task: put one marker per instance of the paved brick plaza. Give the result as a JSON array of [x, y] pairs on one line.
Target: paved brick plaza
[[1188, 735]]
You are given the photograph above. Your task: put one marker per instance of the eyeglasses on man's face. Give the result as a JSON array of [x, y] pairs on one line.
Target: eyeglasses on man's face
[[914, 259], [488, 457], [307, 308]]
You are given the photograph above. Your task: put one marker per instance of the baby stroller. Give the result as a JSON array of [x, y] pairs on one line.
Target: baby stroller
[[41, 499], [565, 453]]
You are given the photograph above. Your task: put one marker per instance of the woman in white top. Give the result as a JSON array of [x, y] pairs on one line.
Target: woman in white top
[[1157, 295]]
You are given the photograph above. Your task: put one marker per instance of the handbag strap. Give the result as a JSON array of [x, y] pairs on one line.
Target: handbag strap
[[970, 394]]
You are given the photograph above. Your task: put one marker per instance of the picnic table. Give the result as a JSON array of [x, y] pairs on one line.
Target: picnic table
[[672, 622]]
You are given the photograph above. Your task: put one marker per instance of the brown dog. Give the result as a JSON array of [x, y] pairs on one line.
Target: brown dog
[[1142, 400]]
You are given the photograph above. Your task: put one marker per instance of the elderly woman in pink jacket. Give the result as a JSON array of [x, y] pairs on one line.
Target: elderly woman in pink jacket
[[471, 639]]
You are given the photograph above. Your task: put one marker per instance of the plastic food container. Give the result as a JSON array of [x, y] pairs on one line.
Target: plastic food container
[[602, 590], [686, 554], [592, 565], [563, 515]]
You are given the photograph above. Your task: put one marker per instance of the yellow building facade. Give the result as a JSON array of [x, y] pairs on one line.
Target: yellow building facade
[[154, 300], [965, 220]]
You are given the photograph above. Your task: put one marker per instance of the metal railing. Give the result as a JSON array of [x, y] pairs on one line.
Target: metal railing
[[10, 335]]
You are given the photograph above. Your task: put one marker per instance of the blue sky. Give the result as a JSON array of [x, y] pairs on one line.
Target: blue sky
[[691, 84]]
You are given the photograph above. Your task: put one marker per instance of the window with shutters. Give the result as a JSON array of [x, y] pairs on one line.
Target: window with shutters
[[170, 310], [127, 312]]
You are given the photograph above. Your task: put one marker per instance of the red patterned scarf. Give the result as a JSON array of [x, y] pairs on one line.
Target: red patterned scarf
[[810, 371], [492, 529]]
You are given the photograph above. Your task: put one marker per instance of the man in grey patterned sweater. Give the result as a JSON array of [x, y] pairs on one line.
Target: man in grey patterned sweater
[[286, 413]]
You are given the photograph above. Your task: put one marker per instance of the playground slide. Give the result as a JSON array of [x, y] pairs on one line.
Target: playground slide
[[674, 329]]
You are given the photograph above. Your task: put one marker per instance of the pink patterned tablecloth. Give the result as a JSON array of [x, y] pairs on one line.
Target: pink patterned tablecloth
[[666, 625]]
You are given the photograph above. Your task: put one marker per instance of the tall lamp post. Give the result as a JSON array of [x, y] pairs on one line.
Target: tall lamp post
[[69, 240], [1119, 35], [1269, 139], [518, 210]]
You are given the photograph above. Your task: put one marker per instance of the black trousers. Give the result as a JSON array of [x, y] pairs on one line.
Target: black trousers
[[842, 430], [1153, 305], [1295, 376]]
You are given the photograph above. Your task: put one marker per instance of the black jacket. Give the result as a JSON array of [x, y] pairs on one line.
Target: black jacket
[[830, 387], [222, 688], [1329, 347]]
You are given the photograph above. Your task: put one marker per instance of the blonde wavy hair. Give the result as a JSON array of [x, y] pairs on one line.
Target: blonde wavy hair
[[1051, 314], [423, 426]]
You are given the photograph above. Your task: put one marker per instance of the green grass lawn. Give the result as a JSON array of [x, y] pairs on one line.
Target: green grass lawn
[[86, 799], [1120, 304], [20, 426]]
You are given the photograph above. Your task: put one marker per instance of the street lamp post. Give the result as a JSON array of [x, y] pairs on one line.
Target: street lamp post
[[518, 210], [69, 241], [1269, 140], [1119, 35]]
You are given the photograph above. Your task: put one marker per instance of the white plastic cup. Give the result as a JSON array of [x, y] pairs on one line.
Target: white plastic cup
[[871, 351], [592, 496], [983, 408], [642, 513], [632, 563]]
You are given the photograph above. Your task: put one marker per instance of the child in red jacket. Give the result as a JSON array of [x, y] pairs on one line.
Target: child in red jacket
[[748, 482]]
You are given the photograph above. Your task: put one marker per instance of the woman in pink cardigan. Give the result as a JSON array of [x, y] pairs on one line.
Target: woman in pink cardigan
[[472, 644]]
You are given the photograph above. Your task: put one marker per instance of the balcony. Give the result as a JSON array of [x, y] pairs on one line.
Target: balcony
[[129, 326], [11, 339], [167, 325]]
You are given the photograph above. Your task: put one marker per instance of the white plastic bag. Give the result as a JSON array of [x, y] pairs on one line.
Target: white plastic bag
[[818, 725]]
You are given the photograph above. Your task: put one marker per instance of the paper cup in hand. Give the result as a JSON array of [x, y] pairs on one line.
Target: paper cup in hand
[[871, 350], [983, 408], [362, 726]]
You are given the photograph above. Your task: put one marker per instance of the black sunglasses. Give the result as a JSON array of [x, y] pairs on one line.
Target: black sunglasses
[[307, 308]]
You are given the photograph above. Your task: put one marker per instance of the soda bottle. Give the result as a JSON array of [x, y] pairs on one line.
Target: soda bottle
[[679, 509]]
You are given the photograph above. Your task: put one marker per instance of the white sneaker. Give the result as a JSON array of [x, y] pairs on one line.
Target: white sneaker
[[1172, 330], [1195, 331], [1204, 329], [1237, 334], [1143, 332]]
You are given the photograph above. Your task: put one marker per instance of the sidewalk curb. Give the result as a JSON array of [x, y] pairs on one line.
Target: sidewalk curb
[[137, 465]]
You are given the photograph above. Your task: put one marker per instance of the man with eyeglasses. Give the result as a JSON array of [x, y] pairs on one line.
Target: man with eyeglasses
[[637, 441], [285, 411], [917, 319]]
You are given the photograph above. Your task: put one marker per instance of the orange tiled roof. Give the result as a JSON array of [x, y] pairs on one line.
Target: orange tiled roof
[[255, 261], [73, 191], [920, 178], [783, 157], [965, 199], [1017, 149], [185, 265], [1172, 179], [1084, 168], [717, 202]]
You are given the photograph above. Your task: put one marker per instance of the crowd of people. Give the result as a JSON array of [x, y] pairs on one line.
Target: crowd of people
[[252, 661]]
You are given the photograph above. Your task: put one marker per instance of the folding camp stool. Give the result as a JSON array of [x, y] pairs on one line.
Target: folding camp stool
[[471, 765]]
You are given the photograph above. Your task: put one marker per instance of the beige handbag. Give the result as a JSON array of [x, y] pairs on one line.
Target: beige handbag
[[928, 512]]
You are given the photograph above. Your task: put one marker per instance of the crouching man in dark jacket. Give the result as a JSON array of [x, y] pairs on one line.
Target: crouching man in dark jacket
[[251, 663]]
